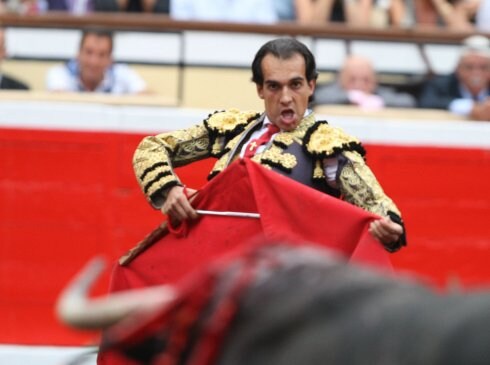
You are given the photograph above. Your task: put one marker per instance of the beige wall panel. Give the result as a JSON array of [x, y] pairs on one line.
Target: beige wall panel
[[208, 88], [217, 89], [33, 73], [161, 80]]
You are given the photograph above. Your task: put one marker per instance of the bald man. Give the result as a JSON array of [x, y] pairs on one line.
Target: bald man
[[357, 84]]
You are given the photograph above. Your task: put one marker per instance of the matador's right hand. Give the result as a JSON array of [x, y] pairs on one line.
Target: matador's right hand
[[177, 205]]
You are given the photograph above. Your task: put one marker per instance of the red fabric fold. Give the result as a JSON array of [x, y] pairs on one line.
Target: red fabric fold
[[292, 212], [289, 211]]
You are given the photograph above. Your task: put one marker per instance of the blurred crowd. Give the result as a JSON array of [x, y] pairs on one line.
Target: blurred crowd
[[454, 14], [465, 91]]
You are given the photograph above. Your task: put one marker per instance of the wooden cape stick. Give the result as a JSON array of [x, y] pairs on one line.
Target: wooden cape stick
[[153, 237], [162, 230]]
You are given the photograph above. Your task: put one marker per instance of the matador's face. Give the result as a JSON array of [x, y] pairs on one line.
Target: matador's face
[[285, 90]]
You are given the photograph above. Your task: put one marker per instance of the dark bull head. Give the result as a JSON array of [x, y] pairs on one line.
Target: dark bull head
[[278, 304]]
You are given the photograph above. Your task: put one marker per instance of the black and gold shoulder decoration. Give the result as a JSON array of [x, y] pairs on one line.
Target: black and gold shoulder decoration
[[227, 124], [322, 141]]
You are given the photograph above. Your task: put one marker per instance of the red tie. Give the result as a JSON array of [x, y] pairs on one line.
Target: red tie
[[263, 139]]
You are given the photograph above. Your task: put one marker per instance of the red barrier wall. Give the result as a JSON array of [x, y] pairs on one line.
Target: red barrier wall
[[67, 196]]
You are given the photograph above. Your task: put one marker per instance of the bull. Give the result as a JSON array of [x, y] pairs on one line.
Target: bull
[[280, 304]]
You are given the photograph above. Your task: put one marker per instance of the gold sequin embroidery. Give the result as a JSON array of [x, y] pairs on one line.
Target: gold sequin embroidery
[[326, 139], [227, 121], [278, 157], [360, 187], [219, 165], [318, 171], [160, 184], [284, 138]]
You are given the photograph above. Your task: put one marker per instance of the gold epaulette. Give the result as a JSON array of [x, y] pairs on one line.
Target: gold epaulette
[[226, 124], [322, 141], [230, 121]]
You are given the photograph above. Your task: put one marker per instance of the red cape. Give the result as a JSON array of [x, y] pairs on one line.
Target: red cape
[[289, 212]]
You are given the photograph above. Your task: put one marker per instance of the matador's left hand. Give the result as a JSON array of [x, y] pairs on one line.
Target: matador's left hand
[[385, 230]]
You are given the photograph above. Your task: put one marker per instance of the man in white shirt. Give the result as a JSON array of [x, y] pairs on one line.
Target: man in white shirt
[[93, 70]]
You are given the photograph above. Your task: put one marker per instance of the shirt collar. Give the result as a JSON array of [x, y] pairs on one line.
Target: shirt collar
[[465, 93]]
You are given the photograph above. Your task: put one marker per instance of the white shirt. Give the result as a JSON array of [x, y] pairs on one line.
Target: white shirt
[[483, 16], [237, 11], [118, 79], [464, 105]]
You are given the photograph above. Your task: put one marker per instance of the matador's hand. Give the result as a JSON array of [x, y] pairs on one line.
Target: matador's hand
[[177, 205], [386, 231]]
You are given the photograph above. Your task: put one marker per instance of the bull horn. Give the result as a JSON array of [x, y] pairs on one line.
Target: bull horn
[[75, 309]]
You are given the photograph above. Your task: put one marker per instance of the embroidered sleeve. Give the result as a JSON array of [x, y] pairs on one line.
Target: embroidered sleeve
[[360, 187], [156, 156]]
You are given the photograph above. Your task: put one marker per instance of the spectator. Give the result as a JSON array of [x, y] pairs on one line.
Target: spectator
[[354, 12], [93, 70], [7, 82], [239, 11], [483, 16], [19, 6], [466, 91], [457, 14], [379, 13], [453, 14], [146, 6], [357, 84], [304, 11], [71, 6]]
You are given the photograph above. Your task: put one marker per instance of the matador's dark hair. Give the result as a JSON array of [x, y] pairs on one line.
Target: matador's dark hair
[[283, 48]]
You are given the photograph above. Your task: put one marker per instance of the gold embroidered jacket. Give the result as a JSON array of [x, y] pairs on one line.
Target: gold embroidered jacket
[[223, 134]]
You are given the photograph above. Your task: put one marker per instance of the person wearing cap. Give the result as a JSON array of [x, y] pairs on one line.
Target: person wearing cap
[[466, 91]]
